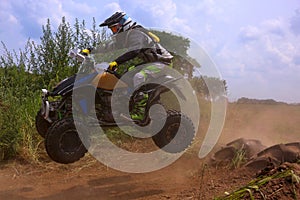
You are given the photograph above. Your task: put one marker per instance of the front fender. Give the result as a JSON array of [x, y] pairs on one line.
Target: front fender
[[64, 87], [84, 97]]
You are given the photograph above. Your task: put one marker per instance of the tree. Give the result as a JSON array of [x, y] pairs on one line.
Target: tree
[[63, 43], [46, 50], [52, 53], [24, 73], [176, 44]]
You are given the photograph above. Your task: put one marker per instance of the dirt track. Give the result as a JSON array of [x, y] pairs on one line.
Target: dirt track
[[89, 179], [187, 178], [94, 181]]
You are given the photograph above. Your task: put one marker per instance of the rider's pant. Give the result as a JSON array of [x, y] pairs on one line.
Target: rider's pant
[[152, 70]]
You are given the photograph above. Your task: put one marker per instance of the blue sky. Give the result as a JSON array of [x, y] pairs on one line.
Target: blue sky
[[255, 44]]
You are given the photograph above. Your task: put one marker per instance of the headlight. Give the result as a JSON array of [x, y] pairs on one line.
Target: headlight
[[45, 92]]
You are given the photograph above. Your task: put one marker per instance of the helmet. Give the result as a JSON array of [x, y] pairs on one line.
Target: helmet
[[118, 22]]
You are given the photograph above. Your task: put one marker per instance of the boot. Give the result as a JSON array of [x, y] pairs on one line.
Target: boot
[[139, 107]]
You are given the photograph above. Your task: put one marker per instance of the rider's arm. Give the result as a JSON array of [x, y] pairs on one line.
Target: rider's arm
[[105, 47], [137, 41]]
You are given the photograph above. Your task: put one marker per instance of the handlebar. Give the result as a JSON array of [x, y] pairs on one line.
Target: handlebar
[[114, 73], [75, 53]]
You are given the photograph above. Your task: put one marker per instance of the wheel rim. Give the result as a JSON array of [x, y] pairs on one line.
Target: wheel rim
[[69, 141]]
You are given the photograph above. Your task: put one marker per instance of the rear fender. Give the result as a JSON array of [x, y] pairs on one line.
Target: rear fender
[[160, 89]]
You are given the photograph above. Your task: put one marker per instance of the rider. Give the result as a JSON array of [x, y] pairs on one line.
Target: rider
[[140, 43]]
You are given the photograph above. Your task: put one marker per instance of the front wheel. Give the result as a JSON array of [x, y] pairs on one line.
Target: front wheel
[[62, 142], [177, 133]]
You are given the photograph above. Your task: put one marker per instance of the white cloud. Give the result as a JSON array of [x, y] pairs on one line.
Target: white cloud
[[249, 33], [163, 11], [79, 8], [270, 40], [12, 19], [275, 26], [209, 7], [23, 19], [295, 21], [268, 57], [10, 27], [113, 7]]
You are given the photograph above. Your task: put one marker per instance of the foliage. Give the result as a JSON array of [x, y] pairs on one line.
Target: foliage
[[18, 106], [24, 73]]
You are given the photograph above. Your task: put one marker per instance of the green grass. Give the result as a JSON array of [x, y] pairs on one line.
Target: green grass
[[255, 186], [239, 158], [18, 135]]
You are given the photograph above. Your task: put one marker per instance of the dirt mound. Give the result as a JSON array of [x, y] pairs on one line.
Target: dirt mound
[[277, 168], [276, 155], [246, 148], [253, 154]]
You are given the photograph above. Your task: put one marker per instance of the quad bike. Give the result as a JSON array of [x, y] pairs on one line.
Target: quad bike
[[55, 119]]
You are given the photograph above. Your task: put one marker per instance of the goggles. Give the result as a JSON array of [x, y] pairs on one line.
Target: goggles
[[114, 28]]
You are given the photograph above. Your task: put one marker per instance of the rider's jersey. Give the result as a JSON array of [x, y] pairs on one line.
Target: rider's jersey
[[140, 43]]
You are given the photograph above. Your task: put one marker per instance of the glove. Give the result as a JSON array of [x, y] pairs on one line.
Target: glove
[[113, 66], [86, 52]]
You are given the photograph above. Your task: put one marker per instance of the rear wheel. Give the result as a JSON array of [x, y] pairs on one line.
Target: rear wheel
[[62, 142], [177, 133]]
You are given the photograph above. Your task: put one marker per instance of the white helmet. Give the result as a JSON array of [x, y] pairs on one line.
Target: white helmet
[[118, 22]]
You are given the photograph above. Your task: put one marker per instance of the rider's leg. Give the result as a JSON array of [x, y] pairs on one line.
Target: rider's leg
[[138, 111], [140, 101]]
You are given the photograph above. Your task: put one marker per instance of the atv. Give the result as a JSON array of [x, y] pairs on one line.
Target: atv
[[55, 119]]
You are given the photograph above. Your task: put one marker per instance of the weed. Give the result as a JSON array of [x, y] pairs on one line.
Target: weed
[[239, 158]]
